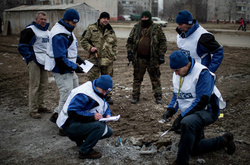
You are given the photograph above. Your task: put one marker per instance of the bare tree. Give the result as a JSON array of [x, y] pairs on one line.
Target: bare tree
[[230, 5], [201, 10], [198, 8], [120, 9], [7, 4], [170, 11], [138, 9], [154, 9]]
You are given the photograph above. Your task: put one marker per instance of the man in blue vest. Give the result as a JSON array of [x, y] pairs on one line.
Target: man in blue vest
[[63, 47], [199, 102], [195, 41], [33, 46], [80, 115]]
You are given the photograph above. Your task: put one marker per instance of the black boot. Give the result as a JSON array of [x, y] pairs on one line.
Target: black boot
[[158, 100], [134, 100], [54, 117], [229, 143]]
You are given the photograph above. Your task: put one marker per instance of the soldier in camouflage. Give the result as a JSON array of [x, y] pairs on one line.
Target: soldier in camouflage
[[146, 46], [100, 41]]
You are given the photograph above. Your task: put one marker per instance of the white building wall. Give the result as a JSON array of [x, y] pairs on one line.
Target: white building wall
[[110, 6], [131, 6], [223, 10]]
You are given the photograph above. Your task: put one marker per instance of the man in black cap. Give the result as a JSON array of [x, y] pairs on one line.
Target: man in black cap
[[146, 46], [100, 41]]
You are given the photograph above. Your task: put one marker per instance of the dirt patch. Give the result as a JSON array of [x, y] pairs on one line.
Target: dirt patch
[[29, 141]]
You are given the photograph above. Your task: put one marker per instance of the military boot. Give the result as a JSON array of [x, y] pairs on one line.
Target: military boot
[[134, 100]]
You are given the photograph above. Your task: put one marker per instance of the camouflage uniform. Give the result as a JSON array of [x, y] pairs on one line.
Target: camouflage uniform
[[158, 48], [104, 39]]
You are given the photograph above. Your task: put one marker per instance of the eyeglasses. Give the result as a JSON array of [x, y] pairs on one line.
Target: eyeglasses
[[105, 91]]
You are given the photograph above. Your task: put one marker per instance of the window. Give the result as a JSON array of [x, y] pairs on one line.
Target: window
[[243, 8]]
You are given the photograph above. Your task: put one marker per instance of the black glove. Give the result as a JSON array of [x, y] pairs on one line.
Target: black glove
[[177, 123], [79, 69], [169, 113], [83, 62], [161, 59], [130, 56], [80, 61]]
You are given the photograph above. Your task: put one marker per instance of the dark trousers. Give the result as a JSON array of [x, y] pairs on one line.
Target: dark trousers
[[191, 142], [241, 27], [90, 132], [140, 69]]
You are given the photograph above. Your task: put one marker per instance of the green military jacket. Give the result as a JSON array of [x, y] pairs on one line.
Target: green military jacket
[[105, 42], [158, 43]]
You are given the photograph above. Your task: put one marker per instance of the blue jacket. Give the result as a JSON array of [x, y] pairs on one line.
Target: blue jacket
[[206, 45], [27, 40], [81, 103], [204, 88], [60, 45]]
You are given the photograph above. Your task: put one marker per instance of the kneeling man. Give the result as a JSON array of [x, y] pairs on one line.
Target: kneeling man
[[80, 116]]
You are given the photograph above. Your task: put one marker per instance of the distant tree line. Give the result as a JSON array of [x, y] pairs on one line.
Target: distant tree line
[[199, 8], [7, 4]]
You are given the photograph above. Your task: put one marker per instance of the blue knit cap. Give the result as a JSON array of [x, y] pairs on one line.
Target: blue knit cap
[[105, 82], [71, 15], [178, 60], [184, 17]]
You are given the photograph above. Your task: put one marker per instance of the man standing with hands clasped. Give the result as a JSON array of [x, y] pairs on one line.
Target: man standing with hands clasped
[[146, 46], [81, 112], [199, 102]]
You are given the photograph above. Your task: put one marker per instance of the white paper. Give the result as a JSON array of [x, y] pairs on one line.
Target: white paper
[[88, 65], [105, 131], [112, 118]]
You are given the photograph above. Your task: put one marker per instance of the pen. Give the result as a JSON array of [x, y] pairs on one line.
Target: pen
[[120, 140], [96, 111]]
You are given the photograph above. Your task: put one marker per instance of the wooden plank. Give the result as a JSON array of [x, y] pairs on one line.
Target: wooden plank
[[6, 28]]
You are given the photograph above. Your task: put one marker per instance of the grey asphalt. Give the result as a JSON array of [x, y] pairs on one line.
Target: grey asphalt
[[232, 38]]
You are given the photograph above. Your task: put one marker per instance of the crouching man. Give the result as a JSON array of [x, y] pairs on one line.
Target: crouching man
[[80, 115], [199, 102]]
